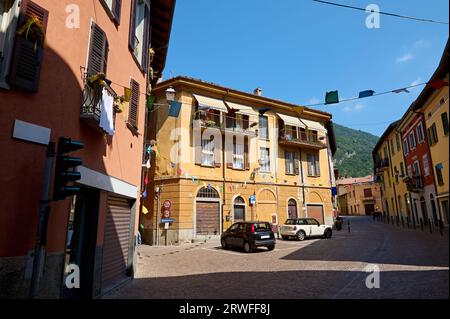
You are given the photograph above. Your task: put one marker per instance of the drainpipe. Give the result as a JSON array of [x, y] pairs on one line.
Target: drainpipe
[[302, 182]]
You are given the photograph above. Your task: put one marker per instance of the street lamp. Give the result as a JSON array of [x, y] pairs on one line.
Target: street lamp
[[170, 94]]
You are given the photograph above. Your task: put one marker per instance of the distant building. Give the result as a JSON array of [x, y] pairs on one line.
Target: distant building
[[359, 196]]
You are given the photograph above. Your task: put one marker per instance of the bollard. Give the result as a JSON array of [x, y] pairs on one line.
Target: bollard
[[441, 227], [421, 224], [431, 226], [392, 220], [348, 226], [403, 222]]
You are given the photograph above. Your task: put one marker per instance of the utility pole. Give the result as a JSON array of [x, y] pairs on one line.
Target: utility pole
[[44, 211]]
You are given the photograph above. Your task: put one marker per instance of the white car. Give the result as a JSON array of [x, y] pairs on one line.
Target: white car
[[302, 228]]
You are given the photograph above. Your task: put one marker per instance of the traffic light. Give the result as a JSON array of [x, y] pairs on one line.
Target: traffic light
[[64, 173]]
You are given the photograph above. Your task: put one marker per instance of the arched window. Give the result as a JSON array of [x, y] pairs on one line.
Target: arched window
[[239, 209], [208, 192]]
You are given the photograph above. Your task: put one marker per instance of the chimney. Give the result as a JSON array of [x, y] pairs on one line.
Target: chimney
[[258, 91]]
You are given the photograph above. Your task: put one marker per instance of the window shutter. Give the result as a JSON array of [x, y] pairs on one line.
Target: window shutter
[[445, 125], [27, 59], [297, 163], [132, 25], [286, 162], [134, 104], [310, 165], [145, 45], [117, 10], [430, 141], [230, 159], [98, 51], [246, 157]]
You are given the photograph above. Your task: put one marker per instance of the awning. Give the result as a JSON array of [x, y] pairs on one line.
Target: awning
[[291, 120], [315, 126], [242, 109], [210, 103]]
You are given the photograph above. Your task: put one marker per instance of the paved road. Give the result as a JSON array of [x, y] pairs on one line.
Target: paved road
[[413, 264]]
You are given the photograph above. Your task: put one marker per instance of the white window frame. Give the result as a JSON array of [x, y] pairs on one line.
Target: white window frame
[[8, 23], [412, 140], [263, 128], [418, 171], [265, 160], [138, 46], [405, 146], [238, 156], [420, 129], [208, 153], [410, 172], [426, 165]]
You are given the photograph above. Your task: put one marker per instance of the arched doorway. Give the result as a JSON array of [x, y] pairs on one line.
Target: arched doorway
[[292, 209], [433, 210], [207, 213], [423, 207], [266, 205], [239, 210]]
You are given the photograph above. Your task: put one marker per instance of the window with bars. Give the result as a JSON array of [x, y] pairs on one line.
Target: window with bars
[[207, 192], [208, 152], [265, 160]]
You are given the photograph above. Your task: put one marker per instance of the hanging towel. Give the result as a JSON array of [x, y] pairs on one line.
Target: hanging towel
[[106, 116]]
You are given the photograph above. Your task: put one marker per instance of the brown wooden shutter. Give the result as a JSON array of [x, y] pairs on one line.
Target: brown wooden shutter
[[98, 51], [246, 155], [310, 165], [134, 104], [297, 163], [131, 41], [117, 10], [27, 58]]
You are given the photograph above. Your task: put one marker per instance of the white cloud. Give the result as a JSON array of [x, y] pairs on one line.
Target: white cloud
[[416, 82], [355, 108], [405, 58]]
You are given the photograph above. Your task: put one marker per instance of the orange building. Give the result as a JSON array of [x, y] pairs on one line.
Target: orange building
[[359, 196], [52, 54]]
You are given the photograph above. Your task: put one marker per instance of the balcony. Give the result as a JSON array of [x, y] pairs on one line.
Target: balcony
[[225, 123], [310, 141], [91, 109], [414, 184], [381, 165]]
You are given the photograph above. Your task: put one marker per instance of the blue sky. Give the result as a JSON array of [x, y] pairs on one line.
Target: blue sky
[[296, 50]]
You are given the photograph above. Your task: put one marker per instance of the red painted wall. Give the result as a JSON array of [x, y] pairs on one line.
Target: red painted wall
[[420, 150], [57, 106]]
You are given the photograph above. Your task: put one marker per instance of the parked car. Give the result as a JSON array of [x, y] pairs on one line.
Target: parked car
[[249, 235], [302, 228]]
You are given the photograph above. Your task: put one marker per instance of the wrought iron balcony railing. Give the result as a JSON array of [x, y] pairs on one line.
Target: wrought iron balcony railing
[[304, 139]]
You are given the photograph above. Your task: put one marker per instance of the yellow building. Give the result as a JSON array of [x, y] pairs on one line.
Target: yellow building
[[359, 196], [433, 103], [390, 170], [226, 148]]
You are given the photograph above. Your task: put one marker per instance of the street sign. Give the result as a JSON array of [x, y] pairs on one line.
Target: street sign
[[166, 214], [252, 200], [167, 204], [167, 220]]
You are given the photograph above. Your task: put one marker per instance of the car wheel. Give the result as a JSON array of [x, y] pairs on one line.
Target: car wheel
[[223, 242], [247, 247], [328, 233], [271, 247], [285, 237], [301, 235]]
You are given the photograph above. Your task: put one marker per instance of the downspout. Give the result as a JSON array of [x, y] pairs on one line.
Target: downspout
[[302, 182]]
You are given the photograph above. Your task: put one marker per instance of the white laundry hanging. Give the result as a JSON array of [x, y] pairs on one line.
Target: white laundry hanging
[[107, 113]]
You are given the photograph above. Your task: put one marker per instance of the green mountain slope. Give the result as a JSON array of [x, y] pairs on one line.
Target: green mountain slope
[[354, 151]]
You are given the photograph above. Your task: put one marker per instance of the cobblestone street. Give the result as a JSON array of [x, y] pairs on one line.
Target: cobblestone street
[[413, 264]]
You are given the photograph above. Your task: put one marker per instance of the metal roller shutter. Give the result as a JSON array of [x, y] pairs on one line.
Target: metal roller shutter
[[116, 242], [316, 211]]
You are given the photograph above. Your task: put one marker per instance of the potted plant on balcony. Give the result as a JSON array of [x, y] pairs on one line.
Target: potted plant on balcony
[[209, 123]]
